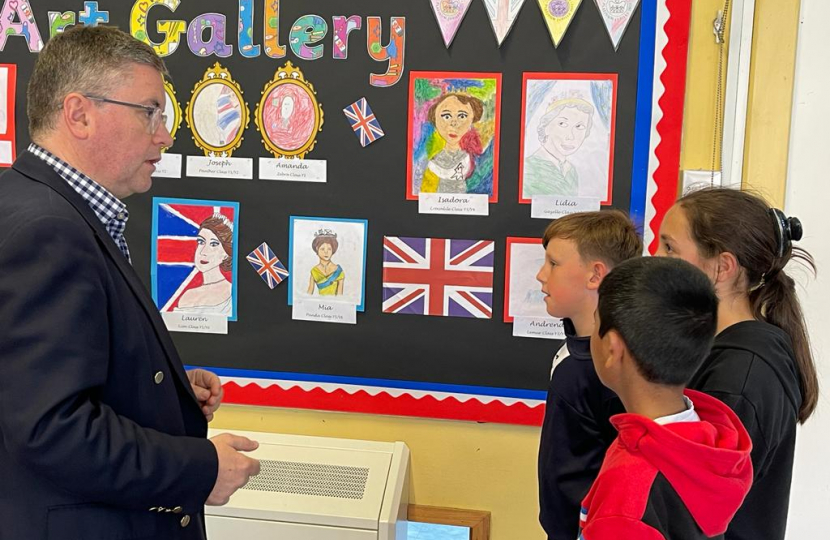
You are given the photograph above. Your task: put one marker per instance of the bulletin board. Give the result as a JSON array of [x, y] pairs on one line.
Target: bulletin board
[[463, 368]]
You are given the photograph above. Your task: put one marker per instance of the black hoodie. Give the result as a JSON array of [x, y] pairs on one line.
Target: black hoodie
[[752, 369], [576, 432]]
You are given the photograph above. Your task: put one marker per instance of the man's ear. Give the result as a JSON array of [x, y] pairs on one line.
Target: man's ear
[[75, 114], [597, 272]]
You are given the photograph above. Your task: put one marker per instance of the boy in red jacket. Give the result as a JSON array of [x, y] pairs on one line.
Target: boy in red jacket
[[680, 466]]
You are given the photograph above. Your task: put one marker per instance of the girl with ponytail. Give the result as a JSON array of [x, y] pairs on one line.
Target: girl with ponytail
[[761, 364]]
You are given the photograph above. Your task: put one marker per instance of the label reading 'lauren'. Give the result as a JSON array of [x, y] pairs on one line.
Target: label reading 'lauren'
[[538, 327], [220, 167], [466, 204], [324, 311], [200, 323]]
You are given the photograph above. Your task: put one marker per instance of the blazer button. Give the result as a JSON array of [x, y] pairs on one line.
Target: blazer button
[[185, 521], [177, 510], [159, 377]]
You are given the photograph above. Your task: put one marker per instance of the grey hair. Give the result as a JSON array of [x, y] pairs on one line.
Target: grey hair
[[90, 60], [585, 107]]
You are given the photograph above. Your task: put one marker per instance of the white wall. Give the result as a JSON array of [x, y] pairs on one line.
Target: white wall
[[808, 197]]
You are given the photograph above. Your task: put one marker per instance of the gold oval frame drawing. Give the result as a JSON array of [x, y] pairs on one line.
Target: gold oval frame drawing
[[218, 75], [289, 74], [177, 109]]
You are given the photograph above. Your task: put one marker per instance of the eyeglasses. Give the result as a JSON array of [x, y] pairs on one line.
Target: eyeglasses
[[155, 115]]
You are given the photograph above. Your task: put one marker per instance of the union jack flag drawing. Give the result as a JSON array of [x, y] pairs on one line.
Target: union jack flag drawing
[[267, 265], [363, 122], [437, 276]]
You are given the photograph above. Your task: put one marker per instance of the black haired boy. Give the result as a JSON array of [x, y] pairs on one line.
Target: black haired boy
[[680, 466]]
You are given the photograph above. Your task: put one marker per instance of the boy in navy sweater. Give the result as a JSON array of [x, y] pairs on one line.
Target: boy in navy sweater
[[680, 467], [580, 249]]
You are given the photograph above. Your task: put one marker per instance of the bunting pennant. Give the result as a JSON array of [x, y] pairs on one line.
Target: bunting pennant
[[558, 15], [449, 14], [616, 14], [503, 14]]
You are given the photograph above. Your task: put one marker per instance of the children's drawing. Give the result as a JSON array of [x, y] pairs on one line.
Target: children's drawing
[[172, 30], [90, 16], [327, 277], [343, 26], [194, 256], [363, 121], [453, 133], [558, 15], [289, 116], [523, 296], [307, 30], [215, 25], [449, 14], [567, 140], [328, 259], [267, 265], [616, 14], [394, 52], [502, 14], [172, 109], [4, 96], [438, 276], [25, 27], [246, 29], [8, 78], [217, 114], [60, 21]]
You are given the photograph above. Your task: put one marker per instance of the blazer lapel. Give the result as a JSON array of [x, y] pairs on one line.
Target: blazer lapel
[[38, 170]]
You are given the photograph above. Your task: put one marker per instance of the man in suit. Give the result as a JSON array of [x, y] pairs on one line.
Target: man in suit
[[102, 433]]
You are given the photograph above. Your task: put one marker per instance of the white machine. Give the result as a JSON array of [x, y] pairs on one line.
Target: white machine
[[317, 488]]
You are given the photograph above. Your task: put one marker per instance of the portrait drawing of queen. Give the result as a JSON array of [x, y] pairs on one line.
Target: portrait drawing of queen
[[213, 257], [561, 131], [327, 277]]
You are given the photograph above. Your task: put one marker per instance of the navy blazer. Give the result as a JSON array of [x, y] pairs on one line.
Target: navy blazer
[[101, 436]]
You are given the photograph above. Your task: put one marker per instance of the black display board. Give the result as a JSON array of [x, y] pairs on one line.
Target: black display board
[[369, 183]]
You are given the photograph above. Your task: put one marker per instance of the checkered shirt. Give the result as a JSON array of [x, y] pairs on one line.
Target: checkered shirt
[[111, 212]]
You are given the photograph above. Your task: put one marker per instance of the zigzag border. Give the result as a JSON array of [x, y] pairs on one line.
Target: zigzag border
[[654, 188], [671, 57], [385, 401]]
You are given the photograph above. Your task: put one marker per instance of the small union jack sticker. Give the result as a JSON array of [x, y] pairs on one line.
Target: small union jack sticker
[[267, 265], [363, 122]]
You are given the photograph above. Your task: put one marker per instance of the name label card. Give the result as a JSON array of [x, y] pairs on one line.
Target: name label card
[[538, 327], [200, 323], [457, 204], [324, 311], [170, 166], [220, 167], [6, 155], [292, 170], [553, 207]]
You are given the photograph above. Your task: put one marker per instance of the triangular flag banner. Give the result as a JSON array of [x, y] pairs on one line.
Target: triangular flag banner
[[449, 14], [502, 15], [616, 14], [558, 16]]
